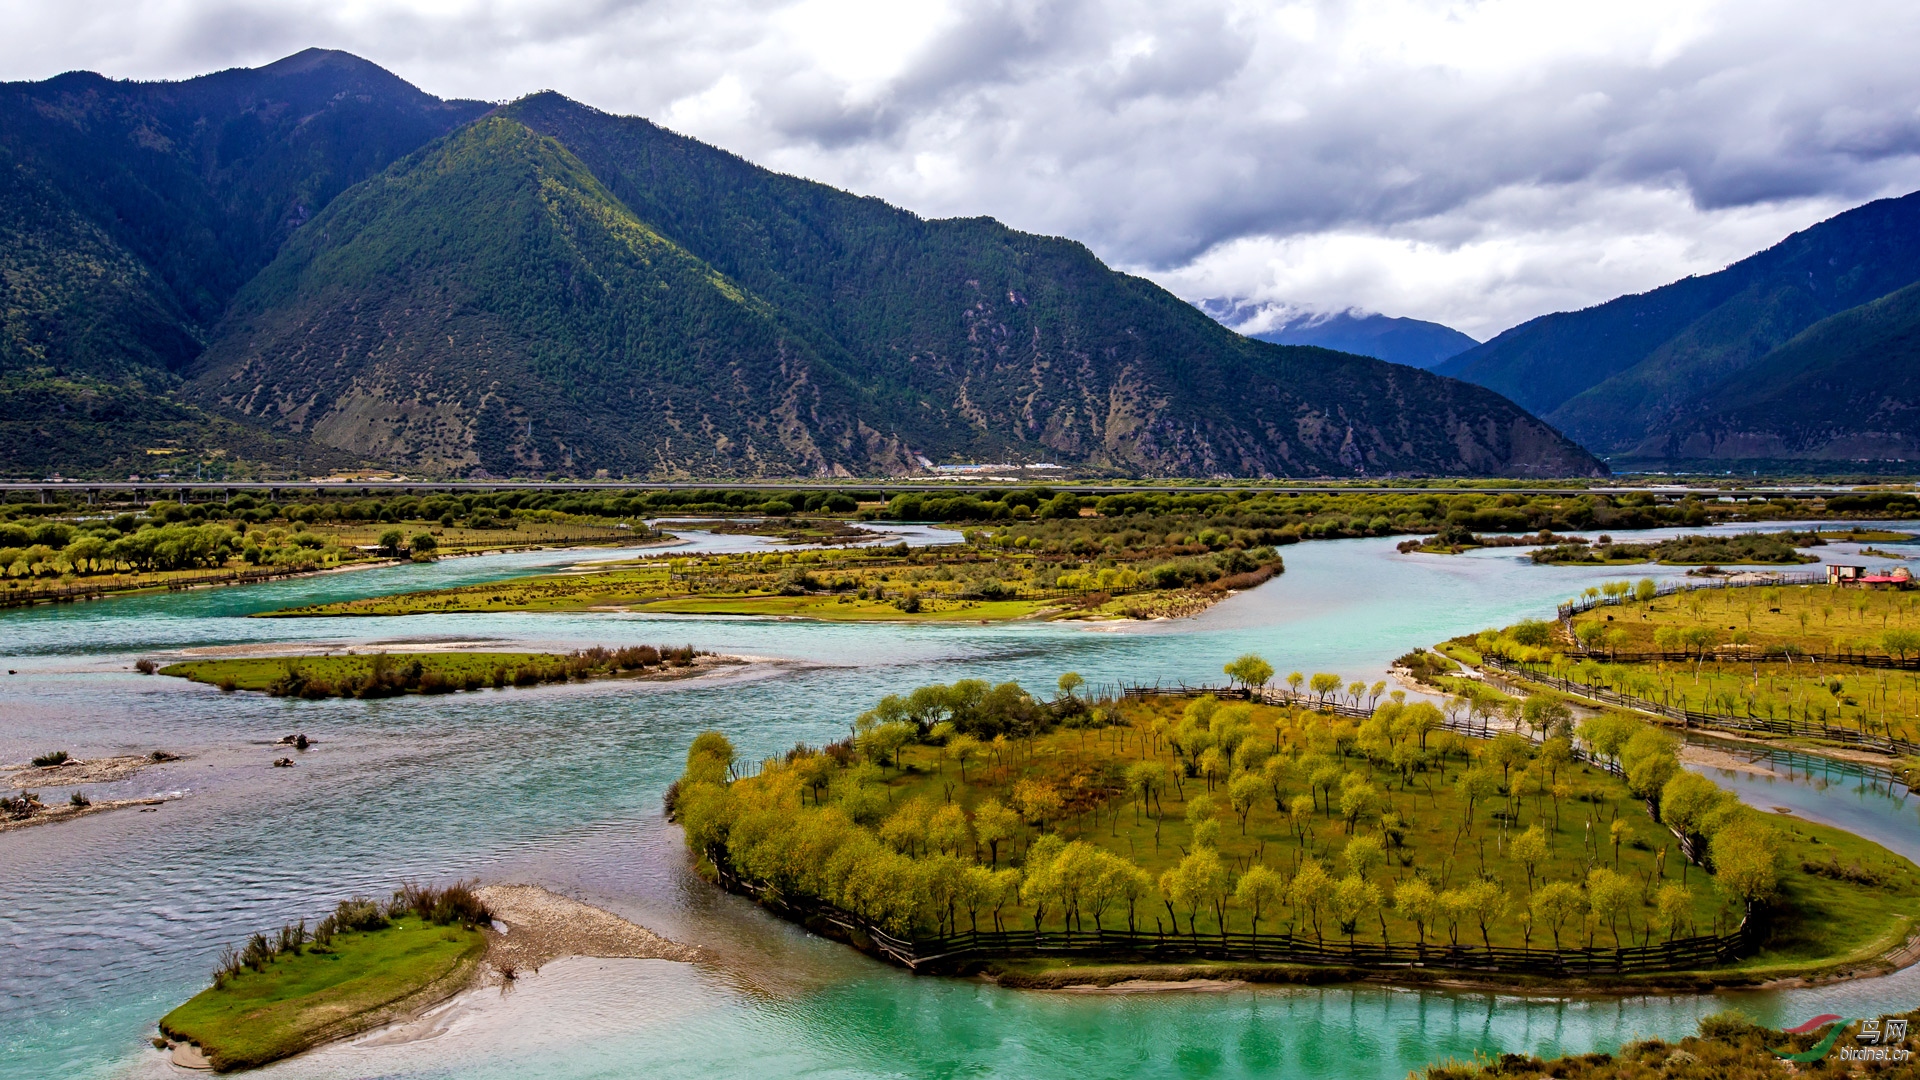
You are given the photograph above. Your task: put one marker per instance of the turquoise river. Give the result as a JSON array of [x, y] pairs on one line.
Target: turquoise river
[[108, 921]]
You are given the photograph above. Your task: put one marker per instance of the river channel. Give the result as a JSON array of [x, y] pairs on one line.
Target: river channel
[[108, 921]]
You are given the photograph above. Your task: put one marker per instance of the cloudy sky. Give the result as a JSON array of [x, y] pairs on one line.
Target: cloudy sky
[[1471, 163]]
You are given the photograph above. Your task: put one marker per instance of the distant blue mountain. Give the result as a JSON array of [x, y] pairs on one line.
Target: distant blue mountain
[[1413, 342]]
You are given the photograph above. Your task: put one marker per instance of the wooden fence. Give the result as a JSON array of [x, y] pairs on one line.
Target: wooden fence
[[1865, 740], [1740, 654], [1761, 579], [956, 951], [1261, 695]]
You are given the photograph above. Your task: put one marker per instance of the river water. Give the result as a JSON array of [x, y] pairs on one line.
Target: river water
[[108, 921]]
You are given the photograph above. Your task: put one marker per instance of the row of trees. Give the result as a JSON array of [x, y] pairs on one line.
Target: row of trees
[[823, 825], [155, 548]]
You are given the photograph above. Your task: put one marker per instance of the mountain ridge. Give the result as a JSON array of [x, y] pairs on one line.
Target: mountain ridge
[[1397, 340], [593, 293], [1616, 375]]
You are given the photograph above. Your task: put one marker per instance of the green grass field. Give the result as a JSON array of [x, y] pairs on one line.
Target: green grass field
[[257, 673], [848, 609], [1809, 618], [262, 1016], [1873, 699]]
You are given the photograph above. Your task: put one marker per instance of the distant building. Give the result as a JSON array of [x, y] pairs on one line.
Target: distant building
[[1861, 577]]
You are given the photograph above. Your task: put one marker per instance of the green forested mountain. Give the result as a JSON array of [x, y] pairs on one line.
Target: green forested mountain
[[1845, 389], [328, 255], [1620, 376], [130, 215], [554, 288]]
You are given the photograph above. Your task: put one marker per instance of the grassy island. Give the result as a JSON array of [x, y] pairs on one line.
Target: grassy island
[[365, 964], [976, 824], [1817, 660], [1746, 549], [382, 674], [980, 580]]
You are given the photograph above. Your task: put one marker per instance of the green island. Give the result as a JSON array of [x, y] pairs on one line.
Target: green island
[[1828, 663], [1457, 540], [1335, 834], [382, 674], [1854, 534], [365, 964], [1746, 549], [992, 576]]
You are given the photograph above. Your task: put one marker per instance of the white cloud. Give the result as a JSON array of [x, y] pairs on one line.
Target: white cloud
[[1472, 162]]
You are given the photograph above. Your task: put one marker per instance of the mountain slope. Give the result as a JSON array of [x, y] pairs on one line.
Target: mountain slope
[[1413, 342], [488, 304], [201, 181], [765, 324], [132, 212], [1845, 389], [984, 341], [1615, 374]]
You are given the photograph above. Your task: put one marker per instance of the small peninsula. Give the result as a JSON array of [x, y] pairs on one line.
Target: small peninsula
[[1326, 828], [370, 963]]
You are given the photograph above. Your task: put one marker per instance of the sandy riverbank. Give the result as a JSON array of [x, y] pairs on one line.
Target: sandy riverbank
[[67, 812], [75, 771]]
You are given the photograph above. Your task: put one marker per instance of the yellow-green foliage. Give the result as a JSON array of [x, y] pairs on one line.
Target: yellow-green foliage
[[1765, 619], [1747, 652], [975, 582], [1161, 812]]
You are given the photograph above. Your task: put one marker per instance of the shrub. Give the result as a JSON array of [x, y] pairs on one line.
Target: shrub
[[456, 903], [58, 757], [78, 799], [358, 913], [146, 667]]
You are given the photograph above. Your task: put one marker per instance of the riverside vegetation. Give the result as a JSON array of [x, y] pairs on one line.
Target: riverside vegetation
[[280, 994], [995, 574], [973, 807], [1746, 549], [60, 550], [68, 546], [1810, 654], [381, 674]]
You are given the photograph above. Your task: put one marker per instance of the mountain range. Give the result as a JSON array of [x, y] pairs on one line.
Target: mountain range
[[1413, 342], [314, 264], [1804, 355]]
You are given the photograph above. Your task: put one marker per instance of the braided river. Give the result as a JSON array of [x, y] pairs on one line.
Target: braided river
[[108, 921]]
